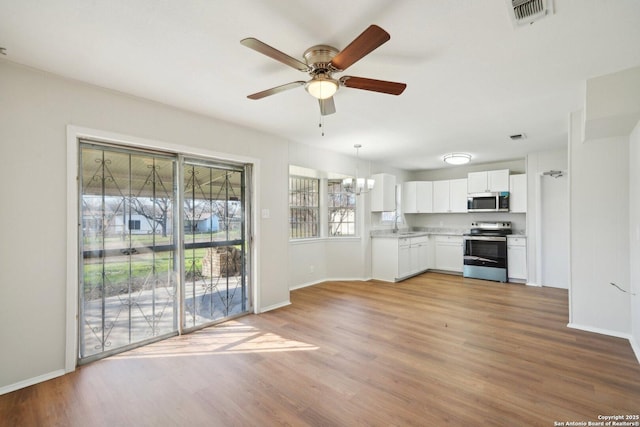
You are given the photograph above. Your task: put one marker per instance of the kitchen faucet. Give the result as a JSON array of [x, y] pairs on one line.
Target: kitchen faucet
[[395, 222], [395, 213]]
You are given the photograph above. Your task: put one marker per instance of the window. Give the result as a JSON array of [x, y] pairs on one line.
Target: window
[[304, 202], [394, 216], [134, 224], [342, 209]]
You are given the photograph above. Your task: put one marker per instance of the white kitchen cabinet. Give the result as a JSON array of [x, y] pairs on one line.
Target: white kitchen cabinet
[[394, 259], [448, 253], [404, 258], [417, 197], [450, 195], [517, 258], [458, 195], [441, 196], [488, 181], [419, 254], [518, 193], [383, 194]]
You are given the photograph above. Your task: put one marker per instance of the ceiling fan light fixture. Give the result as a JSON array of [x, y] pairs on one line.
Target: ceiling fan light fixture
[[457, 158], [322, 87]]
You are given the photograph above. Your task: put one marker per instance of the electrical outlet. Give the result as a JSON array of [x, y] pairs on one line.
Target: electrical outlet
[[312, 268]]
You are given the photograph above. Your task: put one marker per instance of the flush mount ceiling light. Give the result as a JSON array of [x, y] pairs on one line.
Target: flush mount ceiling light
[[457, 158], [322, 86]]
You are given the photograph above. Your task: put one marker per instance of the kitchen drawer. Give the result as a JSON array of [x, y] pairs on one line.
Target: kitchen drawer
[[516, 241], [404, 241], [449, 239], [419, 240]]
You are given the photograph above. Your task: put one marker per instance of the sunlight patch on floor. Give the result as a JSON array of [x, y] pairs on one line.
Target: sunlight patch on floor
[[229, 338]]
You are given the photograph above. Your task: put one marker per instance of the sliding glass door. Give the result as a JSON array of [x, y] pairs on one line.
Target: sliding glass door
[[129, 270], [162, 246], [215, 250]]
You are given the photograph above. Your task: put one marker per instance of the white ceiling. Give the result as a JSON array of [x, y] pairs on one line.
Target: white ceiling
[[472, 78]]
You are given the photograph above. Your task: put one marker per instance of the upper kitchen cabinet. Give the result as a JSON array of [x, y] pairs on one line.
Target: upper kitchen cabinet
[[383, 194], [450, 196], [518, 193], [488, 181], [417, 197]]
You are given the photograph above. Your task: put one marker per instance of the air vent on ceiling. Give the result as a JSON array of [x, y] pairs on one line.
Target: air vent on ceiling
[[527, 11], [518, 136]]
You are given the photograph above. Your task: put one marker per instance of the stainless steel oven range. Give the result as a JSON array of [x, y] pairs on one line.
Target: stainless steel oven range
[[485, 251]]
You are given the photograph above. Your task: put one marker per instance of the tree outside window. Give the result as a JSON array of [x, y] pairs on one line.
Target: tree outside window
[[341, 209], [304, 205]]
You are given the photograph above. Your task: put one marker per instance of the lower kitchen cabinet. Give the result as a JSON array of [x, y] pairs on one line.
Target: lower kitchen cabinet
[[517, 258], [449, 253], [394, 259]]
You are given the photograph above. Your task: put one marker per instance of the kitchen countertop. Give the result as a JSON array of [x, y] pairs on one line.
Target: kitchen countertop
[[426, 231]]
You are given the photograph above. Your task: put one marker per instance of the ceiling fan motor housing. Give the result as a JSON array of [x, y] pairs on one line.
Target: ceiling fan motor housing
[[318, 58]]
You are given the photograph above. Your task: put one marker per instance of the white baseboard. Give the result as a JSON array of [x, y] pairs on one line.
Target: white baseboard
[[275, 306], [31, 381], [533, 284], [305, 285], [611, 333], [331, 279]]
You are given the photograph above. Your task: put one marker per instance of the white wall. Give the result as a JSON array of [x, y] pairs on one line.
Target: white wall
[[36, 108], [634, 228], [612, 104], [599, 189], [538, 212], [454, 172]]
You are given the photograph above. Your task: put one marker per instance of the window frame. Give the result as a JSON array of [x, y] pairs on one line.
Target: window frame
[[348, 206], [314, 208]]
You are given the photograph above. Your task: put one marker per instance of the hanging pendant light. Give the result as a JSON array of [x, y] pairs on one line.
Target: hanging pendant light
[[358, 185]]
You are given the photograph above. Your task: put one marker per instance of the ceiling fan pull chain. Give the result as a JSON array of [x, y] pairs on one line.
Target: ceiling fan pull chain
[[321, 125]]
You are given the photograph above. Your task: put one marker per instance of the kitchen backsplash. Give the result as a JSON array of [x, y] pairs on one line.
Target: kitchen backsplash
[[449, 221], [464, 220]]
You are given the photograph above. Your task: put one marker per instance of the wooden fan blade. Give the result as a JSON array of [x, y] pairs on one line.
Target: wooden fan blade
[[370, 39], [274, 53], [274, 90], [381, 86], [327, 106]]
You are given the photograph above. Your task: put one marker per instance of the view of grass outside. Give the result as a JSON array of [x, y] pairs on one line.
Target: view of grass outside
[[136, 269]]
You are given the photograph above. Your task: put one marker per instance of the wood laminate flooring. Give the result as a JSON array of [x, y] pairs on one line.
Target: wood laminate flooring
[[432, 350]]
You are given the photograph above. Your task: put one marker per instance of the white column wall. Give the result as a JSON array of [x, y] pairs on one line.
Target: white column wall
[[634, 229], [599, 191]]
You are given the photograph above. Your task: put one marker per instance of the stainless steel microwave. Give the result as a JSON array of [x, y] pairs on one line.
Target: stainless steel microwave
[[488, 202]]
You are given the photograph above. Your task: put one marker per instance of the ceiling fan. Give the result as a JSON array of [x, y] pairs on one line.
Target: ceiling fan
[[322, 61]]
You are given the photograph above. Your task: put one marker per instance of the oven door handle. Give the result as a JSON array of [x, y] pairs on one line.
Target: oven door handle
[[486, 238], [477, 258]]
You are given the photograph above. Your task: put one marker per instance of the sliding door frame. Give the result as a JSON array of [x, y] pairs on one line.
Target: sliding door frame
[[74, 223]]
